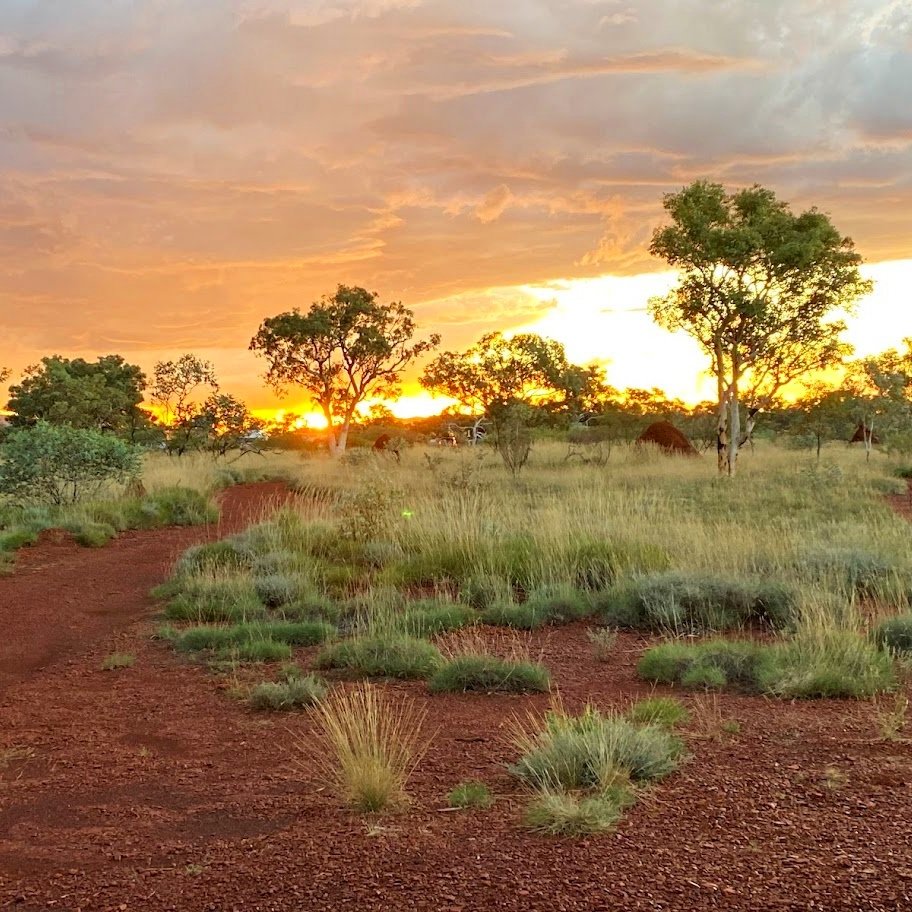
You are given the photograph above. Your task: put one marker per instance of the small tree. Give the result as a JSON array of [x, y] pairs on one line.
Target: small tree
[[176, 388], [882, 387], [758, 289], [103, 395], [59, 464], [824, 413], [347, 348], [228, 423]]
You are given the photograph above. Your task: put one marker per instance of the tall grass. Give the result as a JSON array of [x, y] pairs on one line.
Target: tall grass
[[366, 745]]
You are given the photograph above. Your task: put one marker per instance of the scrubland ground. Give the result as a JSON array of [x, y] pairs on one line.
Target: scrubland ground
[[781, 779]]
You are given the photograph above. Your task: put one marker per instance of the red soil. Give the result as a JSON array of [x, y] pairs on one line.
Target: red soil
[[665, 435], [151, 789]]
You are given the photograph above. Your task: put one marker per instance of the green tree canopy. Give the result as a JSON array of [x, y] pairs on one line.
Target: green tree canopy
[[349, 347], [760, 288], [60, 464], [100, 395], [177, 388], [498, 372]]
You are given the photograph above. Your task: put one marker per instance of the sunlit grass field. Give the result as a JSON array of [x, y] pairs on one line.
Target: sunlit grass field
[[387, 553]]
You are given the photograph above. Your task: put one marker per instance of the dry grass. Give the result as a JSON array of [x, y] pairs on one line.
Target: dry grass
[[367, 743]]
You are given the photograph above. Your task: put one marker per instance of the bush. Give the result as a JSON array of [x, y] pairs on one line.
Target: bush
[[471, 794], [366, 746], [290, 694], [62, 465], [895, 633], [279, 589], [692, 603], [488, 673], [388, 656], [664, 711], [592, 750]]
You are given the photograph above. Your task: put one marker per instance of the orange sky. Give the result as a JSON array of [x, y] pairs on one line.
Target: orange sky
[[171, 173]]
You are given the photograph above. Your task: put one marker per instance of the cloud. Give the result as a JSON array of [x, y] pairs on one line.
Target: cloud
[[171, 173]]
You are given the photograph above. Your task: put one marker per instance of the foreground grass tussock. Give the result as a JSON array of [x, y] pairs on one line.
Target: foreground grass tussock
[[383, 657], [489, 674], [365, 746]]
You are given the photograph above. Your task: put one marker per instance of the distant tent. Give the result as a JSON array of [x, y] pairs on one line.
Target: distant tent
[[859, 436], [666, 436]]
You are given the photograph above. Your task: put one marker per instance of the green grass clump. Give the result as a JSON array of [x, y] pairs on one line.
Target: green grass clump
[[858, 571], [178, 507], [260, 651], [717, 663], [832, 663], [385, 656], [545, 605], [296, 633], [828, 663], [895, 633], [289, 694], [226, 555], [665, 711], [210, 598], [90, 534], [276, 590], [13, 539], [118, 660], [489, 674], [591, 751], [472, 794], [429, 617], [482, 591], [557, 813], [689, 603]]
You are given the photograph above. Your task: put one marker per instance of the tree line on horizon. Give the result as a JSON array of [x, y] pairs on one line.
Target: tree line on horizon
[[760, 288]]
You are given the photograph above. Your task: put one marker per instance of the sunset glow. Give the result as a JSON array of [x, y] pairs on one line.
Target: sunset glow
[[169, 175]]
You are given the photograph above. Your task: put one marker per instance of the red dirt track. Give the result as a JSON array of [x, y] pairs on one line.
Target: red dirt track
[[150, 789]]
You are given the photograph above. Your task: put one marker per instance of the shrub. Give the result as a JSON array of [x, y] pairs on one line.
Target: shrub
[[488, 673], [300, 633], [388, 656], [59, 464], [895, 633], [118, 660], [366, 746], [472, 794], [289, 694], [278, 589], [664, 711], [592, 750], [691, 603], [557, 813]]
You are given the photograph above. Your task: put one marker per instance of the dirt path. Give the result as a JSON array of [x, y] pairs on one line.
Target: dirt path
[[150, 789], [62, 598]]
